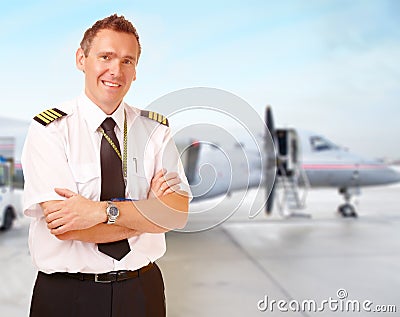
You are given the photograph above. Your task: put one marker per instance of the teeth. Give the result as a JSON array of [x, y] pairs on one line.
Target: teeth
[[109, 84]]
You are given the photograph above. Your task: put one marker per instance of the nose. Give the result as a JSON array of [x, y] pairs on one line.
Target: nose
[[115, 68]]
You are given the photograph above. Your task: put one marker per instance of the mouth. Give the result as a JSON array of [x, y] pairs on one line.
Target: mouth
[[110, 84]]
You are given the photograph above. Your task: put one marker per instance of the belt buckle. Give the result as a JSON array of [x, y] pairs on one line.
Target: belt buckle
[[112, 275]]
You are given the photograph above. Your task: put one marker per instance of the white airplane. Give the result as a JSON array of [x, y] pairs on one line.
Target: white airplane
[[303, 159], [296, 159]]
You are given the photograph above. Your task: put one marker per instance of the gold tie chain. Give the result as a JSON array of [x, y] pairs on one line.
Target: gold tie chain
[[111, 143], [124, 160]]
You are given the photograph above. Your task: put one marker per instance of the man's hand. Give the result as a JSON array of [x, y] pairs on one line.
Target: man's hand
[[78, 213], [164, 184], [74, 213]]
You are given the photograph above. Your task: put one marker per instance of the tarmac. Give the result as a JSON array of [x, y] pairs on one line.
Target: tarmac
[[323, 265]]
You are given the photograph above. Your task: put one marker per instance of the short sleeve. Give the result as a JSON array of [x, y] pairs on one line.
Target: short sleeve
[[168, 157], [45, 166]]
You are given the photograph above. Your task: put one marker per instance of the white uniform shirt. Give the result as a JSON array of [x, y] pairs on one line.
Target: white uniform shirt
[[66, 154]]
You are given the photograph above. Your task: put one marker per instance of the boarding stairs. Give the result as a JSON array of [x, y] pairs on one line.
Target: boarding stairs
[[292, 189]]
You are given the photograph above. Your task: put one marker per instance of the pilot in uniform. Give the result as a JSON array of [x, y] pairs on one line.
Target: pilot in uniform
[[62, 151]]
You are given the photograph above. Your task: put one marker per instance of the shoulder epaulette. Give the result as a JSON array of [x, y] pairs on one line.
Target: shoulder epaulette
[[48, 116], [155, 116]]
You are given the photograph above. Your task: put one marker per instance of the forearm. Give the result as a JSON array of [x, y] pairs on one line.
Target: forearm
[[81, 216], [155, 215], [101, 233]]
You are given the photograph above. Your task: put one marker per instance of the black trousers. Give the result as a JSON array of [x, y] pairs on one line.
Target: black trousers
[[57, 295]]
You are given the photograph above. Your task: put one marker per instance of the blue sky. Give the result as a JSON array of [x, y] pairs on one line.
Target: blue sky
[[330, 66]]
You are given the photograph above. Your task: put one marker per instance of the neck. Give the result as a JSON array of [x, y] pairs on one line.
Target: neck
[[108, 109]]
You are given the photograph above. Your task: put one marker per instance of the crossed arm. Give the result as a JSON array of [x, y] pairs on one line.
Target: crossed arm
[[78, 218]]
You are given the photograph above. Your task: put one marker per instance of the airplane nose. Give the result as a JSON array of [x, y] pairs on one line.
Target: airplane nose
[[391, 174], [396, 174], [377, 173]]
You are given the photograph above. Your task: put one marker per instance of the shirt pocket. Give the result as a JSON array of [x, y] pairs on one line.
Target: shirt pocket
[[139, 178], [138, 186], [87, 179]]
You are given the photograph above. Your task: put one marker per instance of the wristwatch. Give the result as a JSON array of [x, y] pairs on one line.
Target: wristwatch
[[112, 213]]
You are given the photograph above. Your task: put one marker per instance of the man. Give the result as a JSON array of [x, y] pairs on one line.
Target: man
[[98, 192]]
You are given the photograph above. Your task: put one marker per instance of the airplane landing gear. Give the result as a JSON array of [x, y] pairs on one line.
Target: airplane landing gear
[[347, 209]]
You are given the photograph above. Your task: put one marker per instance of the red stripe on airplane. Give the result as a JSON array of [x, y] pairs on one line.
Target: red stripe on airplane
[[341, 166]]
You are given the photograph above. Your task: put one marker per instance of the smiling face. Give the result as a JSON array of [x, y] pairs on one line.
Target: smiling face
[[110, 67]]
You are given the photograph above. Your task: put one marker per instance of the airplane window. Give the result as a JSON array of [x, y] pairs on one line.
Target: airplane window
[[320, 144]]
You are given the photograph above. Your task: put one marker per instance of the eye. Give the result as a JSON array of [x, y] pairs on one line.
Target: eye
[[105, 57], [127, 62]]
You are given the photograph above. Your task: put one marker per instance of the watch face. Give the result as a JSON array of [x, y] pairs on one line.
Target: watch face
[[113, 211]]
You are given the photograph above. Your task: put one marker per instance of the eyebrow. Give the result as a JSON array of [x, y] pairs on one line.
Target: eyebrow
[[113, 54], [130, 57]]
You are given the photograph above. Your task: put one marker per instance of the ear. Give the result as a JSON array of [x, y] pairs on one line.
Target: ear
[[80, 59], [134, 74]]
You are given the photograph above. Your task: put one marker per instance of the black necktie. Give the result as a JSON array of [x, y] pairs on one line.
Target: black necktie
[[112, 185]]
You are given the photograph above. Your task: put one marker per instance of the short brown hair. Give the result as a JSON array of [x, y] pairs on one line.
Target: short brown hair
[[113, 22]]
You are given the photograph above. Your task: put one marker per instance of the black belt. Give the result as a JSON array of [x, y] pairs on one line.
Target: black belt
[[115, 276]]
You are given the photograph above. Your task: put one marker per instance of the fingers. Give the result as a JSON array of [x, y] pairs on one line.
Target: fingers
[[158, 179], [74, 213], [160, 173], [51, 207], [169, 185], [65, 192], [168, 180], [164, 184], [170, 176], [51, 216], [172, 181], [59, 230], [172, 189], [57, 224]]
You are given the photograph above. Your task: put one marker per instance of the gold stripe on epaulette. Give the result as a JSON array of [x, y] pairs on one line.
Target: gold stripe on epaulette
[[43, 114], [155, 116], [58, 114], [49, 116], [43, 118]]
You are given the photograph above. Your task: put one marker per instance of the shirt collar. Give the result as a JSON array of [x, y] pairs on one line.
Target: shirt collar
[[94, 116]]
